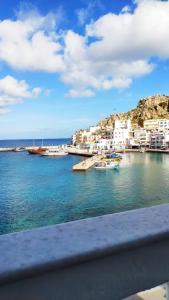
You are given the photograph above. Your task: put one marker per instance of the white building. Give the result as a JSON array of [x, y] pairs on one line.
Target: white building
[[140, 138], [74, 139], [156, 124], [120, 139], [121, 134], [122, 124], [157, 140], [163, 124], [104, 144], [94, 129]]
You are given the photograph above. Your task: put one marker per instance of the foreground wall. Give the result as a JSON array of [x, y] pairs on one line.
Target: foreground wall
[[108, 257]]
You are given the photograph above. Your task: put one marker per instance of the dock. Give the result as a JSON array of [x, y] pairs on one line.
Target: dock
[[6, 149], [87, 163]]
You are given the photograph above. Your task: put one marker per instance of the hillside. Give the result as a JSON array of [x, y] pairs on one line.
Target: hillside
[[153, 107]]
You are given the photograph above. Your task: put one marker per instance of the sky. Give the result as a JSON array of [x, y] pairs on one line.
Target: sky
[[64, 65]]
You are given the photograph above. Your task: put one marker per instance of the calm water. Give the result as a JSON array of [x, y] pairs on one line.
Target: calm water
[[38, 191]]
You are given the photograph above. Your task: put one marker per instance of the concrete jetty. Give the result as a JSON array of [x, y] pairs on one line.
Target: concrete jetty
[[87, 163], [6, 149]]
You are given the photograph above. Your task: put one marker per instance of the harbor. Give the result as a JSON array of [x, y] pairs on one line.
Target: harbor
[[77, 151], [91, 159], [65, 195]]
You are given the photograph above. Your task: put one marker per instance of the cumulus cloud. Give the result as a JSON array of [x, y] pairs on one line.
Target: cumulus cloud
[[113, 51], [13, 91], [30, 42], [126, 9], [117, 48]]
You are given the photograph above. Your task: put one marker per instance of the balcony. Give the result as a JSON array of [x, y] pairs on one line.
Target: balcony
[[105, 258]]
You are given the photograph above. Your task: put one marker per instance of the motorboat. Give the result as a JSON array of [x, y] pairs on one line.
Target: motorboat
[[54, 152], [104, 164]]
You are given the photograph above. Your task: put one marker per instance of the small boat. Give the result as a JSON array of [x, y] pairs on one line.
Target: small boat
[[114, 156], [19, 149], [54, 152], [106, 165], [38, 150]]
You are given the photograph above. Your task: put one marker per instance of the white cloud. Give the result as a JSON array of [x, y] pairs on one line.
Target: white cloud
[[76, 93], [4, 111], [113, 51], [83, 14], [31, 43], [13, 91], [37, 91], [117, 48], [126, 9]]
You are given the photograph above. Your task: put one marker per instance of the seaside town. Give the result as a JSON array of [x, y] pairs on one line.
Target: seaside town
[[145, 127], [120, 136]]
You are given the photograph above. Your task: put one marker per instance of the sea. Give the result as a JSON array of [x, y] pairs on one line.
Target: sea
[[33, 142], [37, 191]]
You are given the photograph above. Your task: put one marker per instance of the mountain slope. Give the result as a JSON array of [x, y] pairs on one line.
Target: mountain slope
[[153, 107]]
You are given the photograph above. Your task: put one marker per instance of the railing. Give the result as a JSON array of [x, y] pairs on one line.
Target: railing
[[105, 258]]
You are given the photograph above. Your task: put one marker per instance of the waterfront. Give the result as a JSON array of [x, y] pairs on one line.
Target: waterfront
[[38, 191]]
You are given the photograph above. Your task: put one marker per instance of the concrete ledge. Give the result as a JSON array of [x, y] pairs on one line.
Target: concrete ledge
[[107, 257]]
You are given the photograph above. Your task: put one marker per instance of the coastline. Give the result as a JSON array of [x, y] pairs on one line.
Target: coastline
[[75, 151]]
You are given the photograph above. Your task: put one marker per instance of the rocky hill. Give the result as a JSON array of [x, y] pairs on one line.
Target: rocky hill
[[153, 107]]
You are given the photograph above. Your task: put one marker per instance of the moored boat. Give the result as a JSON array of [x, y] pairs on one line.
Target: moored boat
[[38, 150], [114, 156], [105, 164], [54, 152]]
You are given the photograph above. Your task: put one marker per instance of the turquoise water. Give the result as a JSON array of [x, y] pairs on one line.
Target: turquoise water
[[38, 191]]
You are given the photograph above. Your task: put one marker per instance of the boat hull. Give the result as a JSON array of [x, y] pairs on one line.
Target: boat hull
[[55, 154], [37, 151], [107, 167]]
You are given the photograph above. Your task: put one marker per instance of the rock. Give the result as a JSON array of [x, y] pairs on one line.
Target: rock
[[153, 107]]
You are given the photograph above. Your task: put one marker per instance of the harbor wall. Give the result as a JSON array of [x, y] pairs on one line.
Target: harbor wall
[[104, 258]]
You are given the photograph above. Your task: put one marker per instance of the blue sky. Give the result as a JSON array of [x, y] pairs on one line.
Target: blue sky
[[67, 64]]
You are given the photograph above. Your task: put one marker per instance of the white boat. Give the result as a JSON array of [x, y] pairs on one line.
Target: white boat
[[54, 152], [19, 149], [106, 165]]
